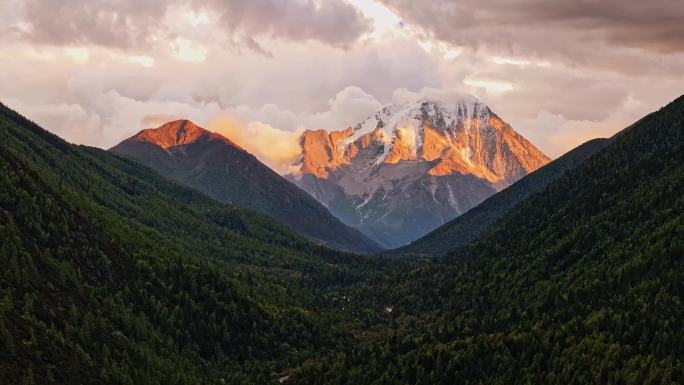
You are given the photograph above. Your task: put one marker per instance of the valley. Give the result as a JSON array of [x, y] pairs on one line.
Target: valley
[[110, 264]]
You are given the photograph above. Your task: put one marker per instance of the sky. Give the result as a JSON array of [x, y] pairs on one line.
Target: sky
[[261, 71]]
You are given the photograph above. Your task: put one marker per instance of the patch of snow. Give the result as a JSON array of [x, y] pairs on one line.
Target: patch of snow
[[407, 116], [451, 199], [466, 153], [359, 209], [386, 147], [432, 189]]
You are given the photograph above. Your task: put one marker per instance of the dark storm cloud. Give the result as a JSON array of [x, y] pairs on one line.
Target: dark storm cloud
[[550, 27]]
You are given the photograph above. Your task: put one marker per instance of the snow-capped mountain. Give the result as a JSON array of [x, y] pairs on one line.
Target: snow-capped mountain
[[409, 168]]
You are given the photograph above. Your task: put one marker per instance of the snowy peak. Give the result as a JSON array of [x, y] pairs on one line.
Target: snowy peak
[[409, 168], [464, 137]]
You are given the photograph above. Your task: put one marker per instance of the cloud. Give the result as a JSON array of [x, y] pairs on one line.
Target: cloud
[[71, 121], [295, 90], [402, 95], [349, 106], [653, 25], [333, 22], [272, 134], [133, 25], [112, 23], [276, 148], [613, 34], [276, 67], [570, 92], [556, 134]]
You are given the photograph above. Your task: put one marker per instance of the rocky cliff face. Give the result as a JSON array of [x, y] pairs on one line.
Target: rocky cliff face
[[409, 168]]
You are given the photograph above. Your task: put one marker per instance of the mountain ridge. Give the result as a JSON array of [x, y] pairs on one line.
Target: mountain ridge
[[409, 168], [212, 163], [179, 132]]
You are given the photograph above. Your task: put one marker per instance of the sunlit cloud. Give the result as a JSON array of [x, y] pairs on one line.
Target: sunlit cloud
[[440, 48], [196, 18], [282, 150], [519, 62], [98, 72], [189, 51], [145, 61], [489, 85], [78, 55], [384, 20]]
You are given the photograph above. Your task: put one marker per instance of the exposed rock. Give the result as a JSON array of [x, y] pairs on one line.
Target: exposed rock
[[409, 168]]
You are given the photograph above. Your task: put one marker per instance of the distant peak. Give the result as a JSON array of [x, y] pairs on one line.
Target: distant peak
[[181, 127], [174, 133], [177, 133]]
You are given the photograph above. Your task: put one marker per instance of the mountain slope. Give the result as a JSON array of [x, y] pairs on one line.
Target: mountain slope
[[113, 274], [410, 168], [213, 164], [116, 275], [460, 231], [580, 283]]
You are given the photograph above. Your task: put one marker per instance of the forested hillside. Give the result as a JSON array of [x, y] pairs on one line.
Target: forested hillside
[[580, 284], [460, 231], [116, 275]]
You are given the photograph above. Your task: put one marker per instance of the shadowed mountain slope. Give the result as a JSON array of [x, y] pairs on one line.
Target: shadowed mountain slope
[[211, 163], [114, 274], [463, 229]]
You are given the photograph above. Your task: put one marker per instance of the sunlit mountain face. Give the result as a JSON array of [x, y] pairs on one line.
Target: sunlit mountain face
[[409, 168]]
